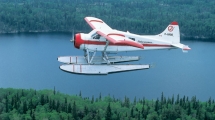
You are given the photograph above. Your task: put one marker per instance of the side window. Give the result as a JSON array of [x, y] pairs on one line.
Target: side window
[[96, 37], [132, 38]]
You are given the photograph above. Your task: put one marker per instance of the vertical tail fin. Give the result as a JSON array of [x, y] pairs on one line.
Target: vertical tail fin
[[171, 33]]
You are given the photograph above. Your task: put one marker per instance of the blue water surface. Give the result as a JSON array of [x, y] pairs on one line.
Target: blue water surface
[[30, 61]]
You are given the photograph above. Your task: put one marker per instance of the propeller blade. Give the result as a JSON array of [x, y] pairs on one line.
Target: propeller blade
[[72, 40]]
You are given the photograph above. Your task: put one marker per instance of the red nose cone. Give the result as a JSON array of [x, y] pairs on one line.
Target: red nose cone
[[78, 41]]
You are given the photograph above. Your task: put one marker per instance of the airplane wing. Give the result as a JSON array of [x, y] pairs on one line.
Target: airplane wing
[[119, 39], [96, 23], [107, 32]]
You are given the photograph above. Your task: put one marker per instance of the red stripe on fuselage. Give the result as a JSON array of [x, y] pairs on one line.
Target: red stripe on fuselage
[[156, 45], [121, 44]]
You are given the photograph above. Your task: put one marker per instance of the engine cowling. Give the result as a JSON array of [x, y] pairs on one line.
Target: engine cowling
[[78, 41]]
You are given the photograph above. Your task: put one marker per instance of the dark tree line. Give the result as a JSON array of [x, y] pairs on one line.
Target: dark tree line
[[195, 17], [48, 104]]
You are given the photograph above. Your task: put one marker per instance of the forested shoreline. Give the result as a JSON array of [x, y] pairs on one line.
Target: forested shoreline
[[195, 17], [30, 104]]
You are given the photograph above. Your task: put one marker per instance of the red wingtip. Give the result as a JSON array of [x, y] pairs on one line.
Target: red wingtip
[[174, 23]]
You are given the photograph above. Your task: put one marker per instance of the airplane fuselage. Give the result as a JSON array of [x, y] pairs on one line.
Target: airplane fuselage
[[95, 42]]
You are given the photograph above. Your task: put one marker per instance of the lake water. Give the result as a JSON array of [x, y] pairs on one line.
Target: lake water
[[30, 61]]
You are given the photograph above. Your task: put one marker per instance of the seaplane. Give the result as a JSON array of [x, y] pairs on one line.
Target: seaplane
[[106, 40]]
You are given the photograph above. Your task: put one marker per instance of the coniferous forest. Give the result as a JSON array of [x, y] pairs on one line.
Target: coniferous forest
[[195, 17], [31, 104]]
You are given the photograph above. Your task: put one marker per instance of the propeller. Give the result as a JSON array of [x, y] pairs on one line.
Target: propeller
[[72, 40]]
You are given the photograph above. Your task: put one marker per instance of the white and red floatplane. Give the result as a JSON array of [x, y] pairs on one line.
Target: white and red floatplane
[[107, 40]]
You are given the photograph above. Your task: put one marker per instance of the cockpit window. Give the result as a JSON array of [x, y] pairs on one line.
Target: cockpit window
[[96, 36]]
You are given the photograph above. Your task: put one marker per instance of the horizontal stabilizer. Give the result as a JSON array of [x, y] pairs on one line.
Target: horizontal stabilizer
[[182, 46]]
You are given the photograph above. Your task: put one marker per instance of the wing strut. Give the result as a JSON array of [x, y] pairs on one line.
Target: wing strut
[[88, 57], [107, 43], [104, 54], [94, 53]]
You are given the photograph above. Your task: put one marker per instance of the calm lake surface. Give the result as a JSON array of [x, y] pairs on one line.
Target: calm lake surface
[[30, 61]]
